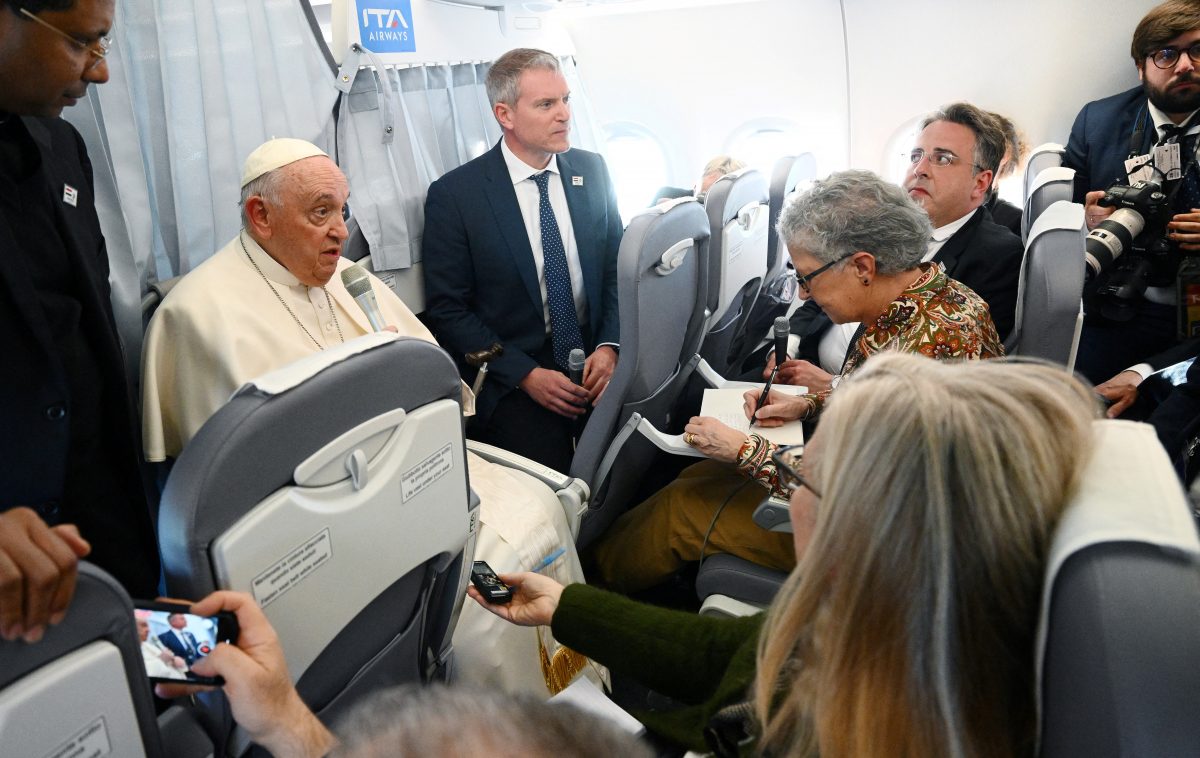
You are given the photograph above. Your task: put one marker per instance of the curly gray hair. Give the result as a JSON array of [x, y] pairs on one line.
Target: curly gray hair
[[855, 210]]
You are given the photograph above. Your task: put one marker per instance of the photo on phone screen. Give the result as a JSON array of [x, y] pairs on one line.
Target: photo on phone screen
[[172, 640]]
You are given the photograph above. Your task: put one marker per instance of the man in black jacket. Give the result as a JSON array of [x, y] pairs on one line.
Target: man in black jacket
[[957, 151], [69, 440]]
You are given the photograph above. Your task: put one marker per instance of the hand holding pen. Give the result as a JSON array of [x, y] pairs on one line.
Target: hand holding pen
[[766, 390]]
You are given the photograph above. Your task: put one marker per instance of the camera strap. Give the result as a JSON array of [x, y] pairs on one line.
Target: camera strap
[[1137, 139]]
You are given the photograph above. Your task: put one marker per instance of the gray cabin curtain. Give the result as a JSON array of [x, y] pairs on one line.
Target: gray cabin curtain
[[194, 86]]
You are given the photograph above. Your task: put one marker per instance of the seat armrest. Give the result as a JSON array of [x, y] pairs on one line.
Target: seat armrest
[[723, 606], [573, 493], [774, 515], [709, 375], [668, 443]]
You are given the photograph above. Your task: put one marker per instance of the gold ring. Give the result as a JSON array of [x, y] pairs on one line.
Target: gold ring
[[689, 438]]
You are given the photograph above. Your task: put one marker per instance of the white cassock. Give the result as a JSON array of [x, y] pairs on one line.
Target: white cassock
[[152, 651], [221, 326]]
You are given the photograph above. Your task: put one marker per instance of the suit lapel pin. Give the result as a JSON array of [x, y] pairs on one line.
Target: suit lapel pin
[[577, 181], [70, 195]]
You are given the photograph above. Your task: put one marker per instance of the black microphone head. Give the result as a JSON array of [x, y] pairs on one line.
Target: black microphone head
[[782, 327], [356, 280]]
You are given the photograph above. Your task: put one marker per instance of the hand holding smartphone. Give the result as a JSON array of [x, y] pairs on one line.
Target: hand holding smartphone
[[172, 639]]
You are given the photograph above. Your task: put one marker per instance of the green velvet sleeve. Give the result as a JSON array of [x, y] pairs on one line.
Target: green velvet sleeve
[[682, 655]]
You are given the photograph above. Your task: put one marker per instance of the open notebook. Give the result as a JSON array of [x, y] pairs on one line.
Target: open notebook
[[725, 405]]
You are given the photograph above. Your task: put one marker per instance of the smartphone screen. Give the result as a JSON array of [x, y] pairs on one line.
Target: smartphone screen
[[172, 640]]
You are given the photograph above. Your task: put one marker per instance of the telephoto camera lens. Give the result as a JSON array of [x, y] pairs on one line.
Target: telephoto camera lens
[[1112, 237]]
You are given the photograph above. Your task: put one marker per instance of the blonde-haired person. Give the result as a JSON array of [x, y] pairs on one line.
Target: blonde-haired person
[[714, 170], [922, 515]]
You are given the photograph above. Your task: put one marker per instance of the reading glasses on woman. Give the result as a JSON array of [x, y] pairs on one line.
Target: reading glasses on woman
[[788, 459], [99, 49], [803, 281]]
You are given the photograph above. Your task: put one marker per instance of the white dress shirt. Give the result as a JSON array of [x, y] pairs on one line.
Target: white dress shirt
[[528, 198]]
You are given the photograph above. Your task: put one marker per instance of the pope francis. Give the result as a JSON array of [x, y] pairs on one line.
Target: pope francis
[[270, 297]]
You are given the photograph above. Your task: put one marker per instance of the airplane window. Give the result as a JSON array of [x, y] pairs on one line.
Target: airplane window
[[762, 142], [638, 162], [899, 147]]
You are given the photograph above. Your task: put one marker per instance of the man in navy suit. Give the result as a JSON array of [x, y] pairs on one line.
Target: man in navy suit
[[520, 250], [179, 640], [68, 443], [1108, 132]]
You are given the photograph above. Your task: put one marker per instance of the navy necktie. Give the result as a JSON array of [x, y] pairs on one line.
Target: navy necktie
[[1188, 194], [564, 323]]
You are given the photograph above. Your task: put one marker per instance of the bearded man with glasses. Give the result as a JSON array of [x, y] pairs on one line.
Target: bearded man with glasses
[[1107, 133], [68, 442]]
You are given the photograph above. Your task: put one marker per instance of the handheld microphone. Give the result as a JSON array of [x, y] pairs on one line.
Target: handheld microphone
[[782, 331], [358, 283], [575, 363], [480, 359]]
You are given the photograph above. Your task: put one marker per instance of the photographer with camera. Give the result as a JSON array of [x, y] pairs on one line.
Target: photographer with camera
[[1134, 155]]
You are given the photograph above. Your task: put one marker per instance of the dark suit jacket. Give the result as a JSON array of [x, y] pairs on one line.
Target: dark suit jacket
[[173, 644], [481, 284], [987, 258], [1005, 214], [35, 402], [982, 255], [1099, 142]]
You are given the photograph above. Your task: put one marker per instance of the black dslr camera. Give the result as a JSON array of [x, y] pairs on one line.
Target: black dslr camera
[[1116, 281]]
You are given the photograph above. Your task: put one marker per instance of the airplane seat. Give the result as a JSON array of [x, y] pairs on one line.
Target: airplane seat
[[779, 288], [731, 586], [153, 297], [1049, 187], [1049, 314], [82, 690], [738, 210], [356, 248], [346, 513], [662, 288], [1044, 156], [1118, 654]]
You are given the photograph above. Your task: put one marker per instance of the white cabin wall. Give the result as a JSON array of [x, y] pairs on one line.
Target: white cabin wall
[[693, 76], [1035, 61]]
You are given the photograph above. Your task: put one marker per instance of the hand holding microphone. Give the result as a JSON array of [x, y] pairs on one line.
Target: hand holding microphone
[[575, 363]]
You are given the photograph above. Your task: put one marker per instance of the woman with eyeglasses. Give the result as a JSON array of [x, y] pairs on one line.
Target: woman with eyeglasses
[[922, 512], [857, 243]]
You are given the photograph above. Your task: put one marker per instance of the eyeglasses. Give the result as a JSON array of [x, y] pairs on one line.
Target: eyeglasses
[[803, 281], [786, 460], [99, 49], [939, 158], [1169, 56]]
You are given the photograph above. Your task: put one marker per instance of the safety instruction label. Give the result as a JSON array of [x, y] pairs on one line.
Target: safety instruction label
[[89, 742], [420, 477], [293, 568]]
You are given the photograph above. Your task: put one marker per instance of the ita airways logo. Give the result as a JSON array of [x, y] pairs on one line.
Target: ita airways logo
[[386, 26]]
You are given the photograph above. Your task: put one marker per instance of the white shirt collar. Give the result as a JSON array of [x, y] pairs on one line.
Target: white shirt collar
[[943, 233], [518, 169], [271, 268], [1159, 118]]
